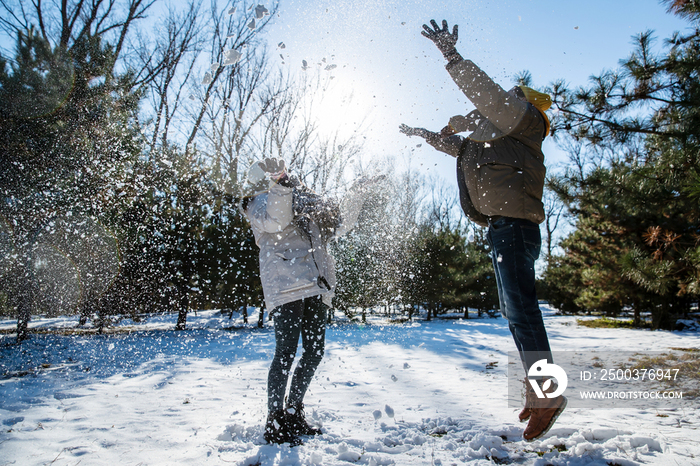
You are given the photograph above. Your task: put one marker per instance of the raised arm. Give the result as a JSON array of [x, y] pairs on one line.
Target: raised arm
[[271, 212], [448, 144], [503, 109]]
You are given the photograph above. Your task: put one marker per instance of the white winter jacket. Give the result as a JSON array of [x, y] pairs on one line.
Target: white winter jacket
[[292, 265]]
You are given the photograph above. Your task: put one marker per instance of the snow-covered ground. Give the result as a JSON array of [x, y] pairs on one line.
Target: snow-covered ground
[[413, 394]]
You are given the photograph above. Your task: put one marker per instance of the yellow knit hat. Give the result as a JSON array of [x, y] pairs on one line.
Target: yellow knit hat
[[540, 101]]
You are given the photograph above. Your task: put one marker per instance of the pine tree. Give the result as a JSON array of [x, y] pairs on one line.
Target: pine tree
[[479, 277], [66, 151], [639, 125]]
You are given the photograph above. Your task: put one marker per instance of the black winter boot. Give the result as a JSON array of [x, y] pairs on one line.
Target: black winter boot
[[297, 421], [277, 429]]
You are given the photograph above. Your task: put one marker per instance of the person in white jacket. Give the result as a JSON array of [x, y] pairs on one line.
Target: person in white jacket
[[292, 227]]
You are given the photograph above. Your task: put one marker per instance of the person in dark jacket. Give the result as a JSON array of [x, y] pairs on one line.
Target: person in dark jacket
[[500, 174]]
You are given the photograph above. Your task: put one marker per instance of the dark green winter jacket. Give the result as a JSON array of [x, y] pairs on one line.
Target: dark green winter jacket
[[500, 165]]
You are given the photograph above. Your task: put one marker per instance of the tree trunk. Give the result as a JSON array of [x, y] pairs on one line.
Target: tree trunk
[[24, 309], [23, 318], [182, 311], [261, 317], [101, 322], [84, 314]]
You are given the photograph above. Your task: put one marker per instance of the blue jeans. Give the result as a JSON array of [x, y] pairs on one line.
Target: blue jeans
[[515, 246], [305, 318]]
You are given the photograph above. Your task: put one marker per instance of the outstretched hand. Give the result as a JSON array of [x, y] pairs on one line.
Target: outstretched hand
[[410, 131], [442, 38], [275, 168], [268, 170]]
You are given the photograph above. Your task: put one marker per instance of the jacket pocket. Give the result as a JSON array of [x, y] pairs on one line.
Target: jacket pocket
[[501, 179], [504, 156], [294, 254], [294, 270], [532, 240]]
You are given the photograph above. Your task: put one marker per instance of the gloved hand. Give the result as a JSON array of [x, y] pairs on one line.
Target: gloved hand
[[271, 169], [430, 136], [410, 131], [275, 169], [442, 38]]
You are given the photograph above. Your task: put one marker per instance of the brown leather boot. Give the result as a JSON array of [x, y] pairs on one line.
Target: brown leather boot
[[543, 413], [529, 400]]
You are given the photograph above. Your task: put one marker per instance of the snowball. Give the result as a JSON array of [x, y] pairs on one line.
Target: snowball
[[645, 441], [389, 411], [345, 454]]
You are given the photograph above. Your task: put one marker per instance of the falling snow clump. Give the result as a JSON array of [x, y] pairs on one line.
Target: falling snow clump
[[261, 11], [231, 57]]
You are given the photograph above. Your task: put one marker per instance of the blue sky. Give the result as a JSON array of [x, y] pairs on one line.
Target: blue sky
[[397, 76]]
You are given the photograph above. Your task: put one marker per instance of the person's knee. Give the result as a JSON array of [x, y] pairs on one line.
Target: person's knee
[[525, 319], [284, 358], [313, 354]]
